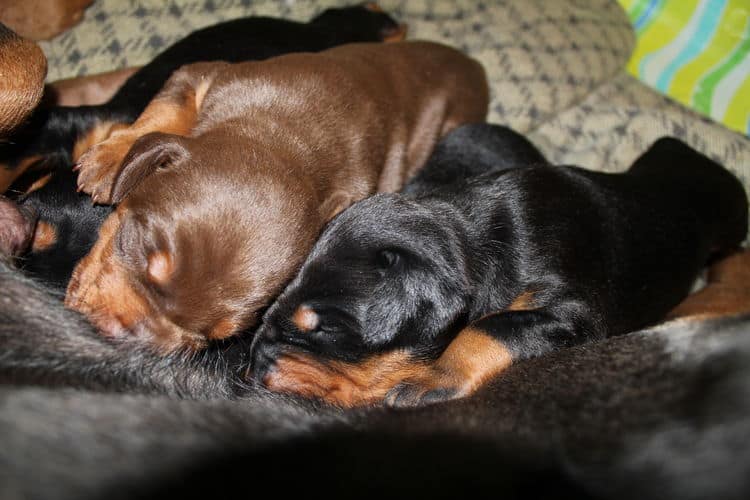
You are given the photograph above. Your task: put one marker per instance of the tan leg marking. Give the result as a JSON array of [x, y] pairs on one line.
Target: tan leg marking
[[470, 360], [727, 291], [45, 236]]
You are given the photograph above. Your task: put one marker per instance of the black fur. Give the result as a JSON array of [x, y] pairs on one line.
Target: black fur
[[600, 254], [656, 414], [52, 132]]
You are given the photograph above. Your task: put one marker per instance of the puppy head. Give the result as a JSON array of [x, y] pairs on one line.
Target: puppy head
[[195, 250], [375, 298]]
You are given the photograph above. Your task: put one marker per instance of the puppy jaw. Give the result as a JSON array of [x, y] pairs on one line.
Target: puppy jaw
[[102, 290], [341, 383]]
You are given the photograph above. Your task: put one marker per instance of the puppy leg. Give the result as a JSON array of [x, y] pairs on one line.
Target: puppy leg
[[481, 351], [727, 291], [89, 90], [174, 110]]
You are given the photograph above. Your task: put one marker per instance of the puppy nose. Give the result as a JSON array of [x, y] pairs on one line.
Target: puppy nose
[[261, 361], [305, 318]]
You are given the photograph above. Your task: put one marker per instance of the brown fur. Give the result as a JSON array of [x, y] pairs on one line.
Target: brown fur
[[44, 237], [41, 19], [257, 158], [727, 290], [98, 133], [88, 90], [23, 68]]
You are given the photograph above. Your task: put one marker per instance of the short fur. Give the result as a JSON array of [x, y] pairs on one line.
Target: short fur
[[19, 94], [56, 136], [422, 299], [230, 173], [661, 413]]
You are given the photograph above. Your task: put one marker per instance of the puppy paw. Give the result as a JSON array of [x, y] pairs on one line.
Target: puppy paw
[[98, 167], [429, 389]]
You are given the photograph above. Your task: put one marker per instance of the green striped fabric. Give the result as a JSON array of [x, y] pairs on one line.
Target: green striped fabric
[[697, 52]]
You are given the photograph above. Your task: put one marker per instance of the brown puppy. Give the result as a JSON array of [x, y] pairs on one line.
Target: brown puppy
[[247, 162]]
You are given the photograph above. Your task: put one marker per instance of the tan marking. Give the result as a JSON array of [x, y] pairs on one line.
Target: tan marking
[[98, 133], [223, 329], [524, 302], [469, 361], [339, 383], [100, 279], [396, 35], [45, 236], [160, 267], [200, 92], [101, 289], [727, 291], [8, 175], [305, 319], [373, 7], [39, 183]]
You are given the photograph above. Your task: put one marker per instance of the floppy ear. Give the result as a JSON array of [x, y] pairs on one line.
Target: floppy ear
[[148, 153], [334, 204]]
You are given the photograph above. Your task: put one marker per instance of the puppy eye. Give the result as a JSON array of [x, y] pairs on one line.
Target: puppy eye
[[387, 259]]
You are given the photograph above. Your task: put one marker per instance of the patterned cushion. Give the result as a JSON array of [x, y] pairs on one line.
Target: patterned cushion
[[556, 68]]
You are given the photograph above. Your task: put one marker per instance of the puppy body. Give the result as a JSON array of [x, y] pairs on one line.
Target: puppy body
[[531, 259], [257, 156], [57, 136]]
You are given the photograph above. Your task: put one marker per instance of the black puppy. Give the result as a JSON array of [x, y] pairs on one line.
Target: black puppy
[[422, 299], [68, 223]]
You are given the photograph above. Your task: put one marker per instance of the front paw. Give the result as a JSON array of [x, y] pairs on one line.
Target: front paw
[[99, 166], [411, 394]]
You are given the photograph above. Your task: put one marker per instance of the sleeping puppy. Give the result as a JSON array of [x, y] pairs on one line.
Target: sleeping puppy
[[65, 222], [226, 179], [423, 299]]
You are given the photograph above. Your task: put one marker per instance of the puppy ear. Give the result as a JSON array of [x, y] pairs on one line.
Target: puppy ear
[[148, 153], [335, 204]]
